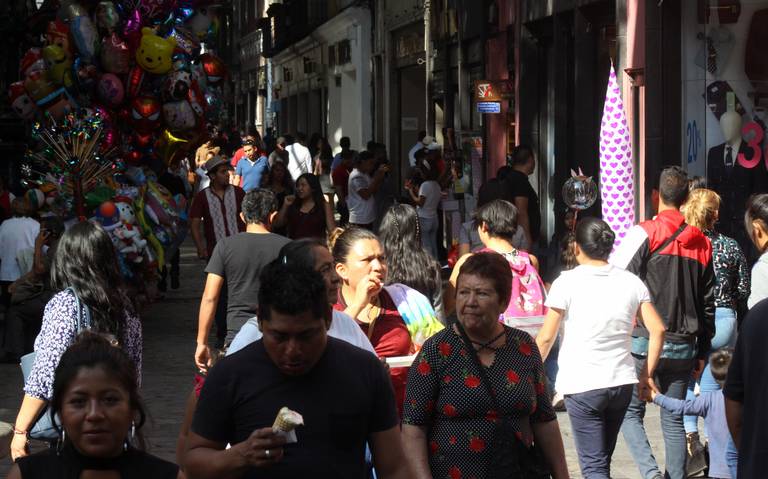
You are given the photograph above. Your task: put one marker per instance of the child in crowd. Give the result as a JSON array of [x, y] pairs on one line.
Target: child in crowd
[[723, 457]]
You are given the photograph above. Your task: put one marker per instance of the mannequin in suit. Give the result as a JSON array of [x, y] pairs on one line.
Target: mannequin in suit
[[734, 183]]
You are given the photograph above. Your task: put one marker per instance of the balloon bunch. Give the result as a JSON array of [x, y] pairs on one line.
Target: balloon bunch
[[137, 63], [112, 88]]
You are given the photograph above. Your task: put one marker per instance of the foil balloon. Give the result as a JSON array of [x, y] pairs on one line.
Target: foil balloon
[[154, 9], [132, 28], [200, 22], [58, 104], [145, 114], [110, 89], [214, 68], [579, 192], [168, 145], [135, 81], [85, 75], [178, 116], [57, 34], [38, 85], [107, 18], [213, 104], [84, 34], [196, 99], [110, 135], [115, 55], [182, 62], [21, 102], [59, 65], [31, 62], [154, 52], [186, 41], [177, 85]]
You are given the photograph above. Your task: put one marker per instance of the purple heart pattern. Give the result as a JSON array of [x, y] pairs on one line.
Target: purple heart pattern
[[617, 186]]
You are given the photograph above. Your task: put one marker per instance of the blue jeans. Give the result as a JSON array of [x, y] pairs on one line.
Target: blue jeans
[[725, 336], [428, 228], [550, 366], [596, 418], [671, 377]]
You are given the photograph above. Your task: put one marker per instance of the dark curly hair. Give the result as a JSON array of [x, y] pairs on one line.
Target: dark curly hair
[[289, 288]]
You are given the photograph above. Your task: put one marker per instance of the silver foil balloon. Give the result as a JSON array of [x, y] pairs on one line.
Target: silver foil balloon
[[580, 192]]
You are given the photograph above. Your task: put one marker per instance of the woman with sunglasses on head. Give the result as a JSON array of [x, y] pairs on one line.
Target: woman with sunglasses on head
[[95, 393]]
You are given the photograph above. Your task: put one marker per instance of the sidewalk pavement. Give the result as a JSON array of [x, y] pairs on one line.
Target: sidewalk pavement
[[170, 326]]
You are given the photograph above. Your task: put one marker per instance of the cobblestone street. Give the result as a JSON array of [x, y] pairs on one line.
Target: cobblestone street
[[169, 344]]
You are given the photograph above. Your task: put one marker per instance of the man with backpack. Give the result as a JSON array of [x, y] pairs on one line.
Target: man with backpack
[[675, 262]]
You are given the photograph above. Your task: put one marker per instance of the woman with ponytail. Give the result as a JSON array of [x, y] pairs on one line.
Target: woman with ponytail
[[598, 304]]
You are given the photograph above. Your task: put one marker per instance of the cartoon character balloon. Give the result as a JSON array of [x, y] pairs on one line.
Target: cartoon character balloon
[[107, 18], [59, 65], [145, 114], [214, 68], [177, 85], [110, 89], [21, 103], [82, 30], [31, 62], [580, 191], [178, 116], [57, 34], [154, 52]]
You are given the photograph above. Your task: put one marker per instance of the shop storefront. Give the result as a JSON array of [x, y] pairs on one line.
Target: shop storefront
[[724, 101]]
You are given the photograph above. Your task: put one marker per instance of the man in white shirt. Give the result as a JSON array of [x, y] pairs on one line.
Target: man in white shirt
[[16, 234], [418, 146], [299, 158], [362, 188]]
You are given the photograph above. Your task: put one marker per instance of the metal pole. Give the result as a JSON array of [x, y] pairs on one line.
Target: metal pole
[[428, 66]]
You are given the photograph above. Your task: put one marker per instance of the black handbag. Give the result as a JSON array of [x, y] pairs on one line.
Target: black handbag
[[510, 458]]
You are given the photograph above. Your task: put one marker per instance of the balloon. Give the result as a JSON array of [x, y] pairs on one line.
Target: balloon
[[110, 136], [154, 53], [200, 22], [84, 33], [186, 41], [135, 81], [31, 62], [58, 104], [107, 17], [21, 102], [38, 85], [145, 114], [580, 192], [132, 28], [84, 75], [115, 55], [168, 146], [177, 85], [57, 34], [213, 104], [153, 9], [110, 89], [214, 67], [178, 116], [59, 65]]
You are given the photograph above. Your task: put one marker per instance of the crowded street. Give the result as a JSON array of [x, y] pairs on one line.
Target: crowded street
[[170, 325], [383, 239]]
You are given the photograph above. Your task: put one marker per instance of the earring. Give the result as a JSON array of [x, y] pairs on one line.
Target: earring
[[60, 442]]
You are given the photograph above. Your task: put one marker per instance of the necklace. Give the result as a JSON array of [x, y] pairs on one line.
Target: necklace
[[487, 345]]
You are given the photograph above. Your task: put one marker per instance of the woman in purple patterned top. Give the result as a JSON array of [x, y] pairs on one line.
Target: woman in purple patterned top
[[86, 262]]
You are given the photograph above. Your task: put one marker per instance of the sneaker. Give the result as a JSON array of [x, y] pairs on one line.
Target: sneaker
[[696, 460]]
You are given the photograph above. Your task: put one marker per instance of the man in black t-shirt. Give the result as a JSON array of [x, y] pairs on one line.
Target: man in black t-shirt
[[746, 394], [525, 198], [234, 267], [343, 393]]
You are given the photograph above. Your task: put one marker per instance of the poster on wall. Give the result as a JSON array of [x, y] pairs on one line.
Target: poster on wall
[[725, 111]]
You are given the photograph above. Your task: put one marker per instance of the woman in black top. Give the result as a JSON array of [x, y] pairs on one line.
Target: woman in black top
[[96, 396]]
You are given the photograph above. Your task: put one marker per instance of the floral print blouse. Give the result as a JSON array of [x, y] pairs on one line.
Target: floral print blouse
[[732, 280], [446, 396], [58, 332]]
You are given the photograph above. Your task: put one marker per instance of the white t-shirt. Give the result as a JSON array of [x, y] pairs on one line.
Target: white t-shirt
[[431, 191], [16, 234], [299, 160], [342, 327], [600, 304], [361, 212]]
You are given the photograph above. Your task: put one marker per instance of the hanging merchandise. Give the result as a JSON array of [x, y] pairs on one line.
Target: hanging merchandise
[[617, 182]]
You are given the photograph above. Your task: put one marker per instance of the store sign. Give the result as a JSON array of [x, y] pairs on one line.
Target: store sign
[[488, 90], [488, 107]]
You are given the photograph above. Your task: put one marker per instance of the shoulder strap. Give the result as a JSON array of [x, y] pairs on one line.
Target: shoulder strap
[[481, 370], [669, 240]]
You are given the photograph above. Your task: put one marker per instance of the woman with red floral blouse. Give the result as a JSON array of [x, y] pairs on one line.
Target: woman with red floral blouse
[[449, 421]]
